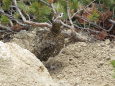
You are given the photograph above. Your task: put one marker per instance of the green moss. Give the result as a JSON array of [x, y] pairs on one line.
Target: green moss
[[4, 19], [113, 64], [6, 4], [41, 11], [23, 7], [94, 16]]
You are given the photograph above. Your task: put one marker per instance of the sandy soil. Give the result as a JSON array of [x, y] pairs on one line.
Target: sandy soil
[[84, 64]]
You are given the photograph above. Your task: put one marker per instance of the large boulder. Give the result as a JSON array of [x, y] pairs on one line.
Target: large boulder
[[19, 67]]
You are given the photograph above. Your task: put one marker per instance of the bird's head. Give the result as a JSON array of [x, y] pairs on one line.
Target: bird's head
[[56, 23]]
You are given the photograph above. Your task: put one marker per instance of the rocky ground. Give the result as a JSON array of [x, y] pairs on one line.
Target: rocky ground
[[84, 64], [78, 64]]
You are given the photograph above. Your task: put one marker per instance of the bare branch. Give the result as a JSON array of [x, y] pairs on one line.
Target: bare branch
[[113, 24], [112, 36], [66, 25], [68, 12], [112, 21], [11, 18], [11, 23], [92, 23], [38, 24], [5, 27], [88, 29], [111, 27], [30, 22], [46, 3], [52, 6], [19, 11]]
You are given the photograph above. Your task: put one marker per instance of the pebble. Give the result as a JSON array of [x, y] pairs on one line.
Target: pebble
[[108, 58], [101, 63], [83, 44], [107, 41]]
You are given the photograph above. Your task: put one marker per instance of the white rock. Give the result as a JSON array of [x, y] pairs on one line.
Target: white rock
[[19, 67]]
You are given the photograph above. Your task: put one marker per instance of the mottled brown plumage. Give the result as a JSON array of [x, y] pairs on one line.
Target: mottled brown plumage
[[51, 43]]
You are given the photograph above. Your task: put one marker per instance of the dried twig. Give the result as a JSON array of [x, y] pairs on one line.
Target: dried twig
[[46, 3], [113, 24], [112, 21], [66, 25]]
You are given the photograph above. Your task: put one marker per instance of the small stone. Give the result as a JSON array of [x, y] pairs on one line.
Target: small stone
[[107, 41], [98, 45], [83, 44], [101, 63], [108, 58], [106, 85], [60, 76], [70, 59]]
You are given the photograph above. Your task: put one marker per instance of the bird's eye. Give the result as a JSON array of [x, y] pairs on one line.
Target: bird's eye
[[61, 14]]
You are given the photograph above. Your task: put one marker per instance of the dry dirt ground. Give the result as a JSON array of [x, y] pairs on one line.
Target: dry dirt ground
[[78, 64], [84, 64]]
